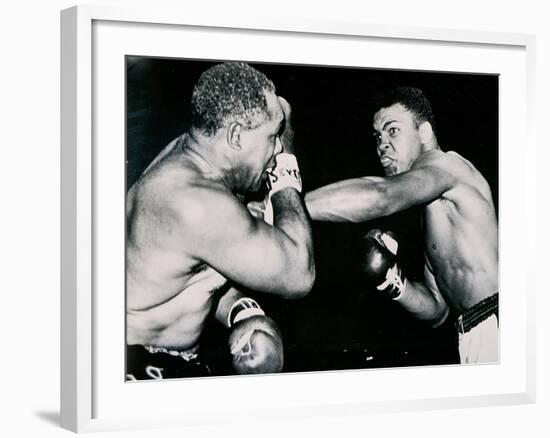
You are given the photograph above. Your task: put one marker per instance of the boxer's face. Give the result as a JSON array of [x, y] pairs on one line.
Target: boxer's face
[[397, 139], [261, 144]]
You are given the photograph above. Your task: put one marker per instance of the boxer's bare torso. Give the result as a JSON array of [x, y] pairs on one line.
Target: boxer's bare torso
[[169, 291], [459, 221], [460, 235], [188, 230]]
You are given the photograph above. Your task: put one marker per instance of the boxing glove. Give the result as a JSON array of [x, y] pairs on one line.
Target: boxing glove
[[255, 341], [379, 263], [285, 174]]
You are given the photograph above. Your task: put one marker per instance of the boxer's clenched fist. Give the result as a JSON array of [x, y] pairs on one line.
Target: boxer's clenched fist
[[379, 262], [255, 341]]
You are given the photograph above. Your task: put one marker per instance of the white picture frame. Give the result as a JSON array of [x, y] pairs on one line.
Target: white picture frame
[[92, 41]]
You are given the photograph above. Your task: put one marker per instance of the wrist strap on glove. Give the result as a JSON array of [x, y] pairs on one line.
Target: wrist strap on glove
[[285, 174], [394, 284], [243, 308]]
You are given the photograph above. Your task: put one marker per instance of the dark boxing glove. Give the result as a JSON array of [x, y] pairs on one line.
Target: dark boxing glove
[[255, 340], [379, 263]]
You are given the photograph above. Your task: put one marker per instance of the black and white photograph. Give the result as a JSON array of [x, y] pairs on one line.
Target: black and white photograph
[[285, 218]]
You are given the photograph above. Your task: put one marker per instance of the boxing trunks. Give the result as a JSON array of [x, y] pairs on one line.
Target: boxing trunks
[[477, 328], [157, 363]]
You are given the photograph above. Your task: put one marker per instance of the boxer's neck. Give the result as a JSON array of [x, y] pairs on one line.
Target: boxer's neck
[[208, 154]]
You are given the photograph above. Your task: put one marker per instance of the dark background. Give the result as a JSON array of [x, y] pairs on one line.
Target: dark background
[[341, 324]]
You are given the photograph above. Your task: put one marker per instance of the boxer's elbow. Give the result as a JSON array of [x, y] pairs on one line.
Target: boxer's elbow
[[440, 315], [299, 280], [307, 280]]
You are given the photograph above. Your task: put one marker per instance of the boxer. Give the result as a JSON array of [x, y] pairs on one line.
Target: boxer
[[191, 241], [459, 223]]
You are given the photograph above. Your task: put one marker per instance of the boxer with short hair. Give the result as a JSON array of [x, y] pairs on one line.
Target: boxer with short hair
[[459, 223], [192, 242]]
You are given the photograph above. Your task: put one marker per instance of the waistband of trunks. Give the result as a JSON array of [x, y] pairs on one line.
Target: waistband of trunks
[[480, 312], [187, 355]]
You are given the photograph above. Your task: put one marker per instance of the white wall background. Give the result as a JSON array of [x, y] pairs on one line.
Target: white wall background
[[29, 227]]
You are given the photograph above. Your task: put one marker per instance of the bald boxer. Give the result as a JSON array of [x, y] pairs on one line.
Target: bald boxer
[[459, 224], [192, 244]]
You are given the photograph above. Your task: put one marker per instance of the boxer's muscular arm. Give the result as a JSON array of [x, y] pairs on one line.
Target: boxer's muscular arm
[[290, 217], [362, 199], [220, 231], [424, 300], [379, 263], [225, 303]]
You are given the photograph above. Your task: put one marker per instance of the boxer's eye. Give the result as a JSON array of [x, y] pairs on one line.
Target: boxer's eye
[[393, 131]]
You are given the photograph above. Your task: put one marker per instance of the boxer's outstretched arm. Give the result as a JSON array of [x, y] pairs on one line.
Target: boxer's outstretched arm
[[351, 200], [363, 199]]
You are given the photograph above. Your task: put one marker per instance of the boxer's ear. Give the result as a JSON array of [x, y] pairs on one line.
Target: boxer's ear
[[234, 131], [426, 133]]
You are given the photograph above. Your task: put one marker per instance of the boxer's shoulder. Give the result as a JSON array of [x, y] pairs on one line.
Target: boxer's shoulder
[[466, 186], [466, 174], [458, 169], [439, 158], [204, 206]]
